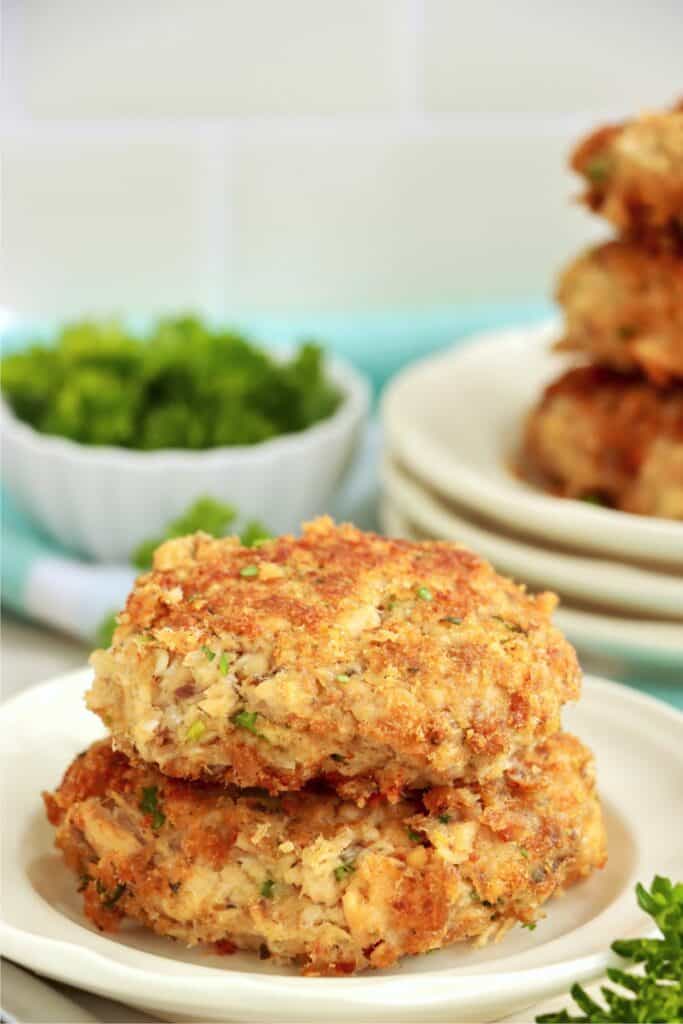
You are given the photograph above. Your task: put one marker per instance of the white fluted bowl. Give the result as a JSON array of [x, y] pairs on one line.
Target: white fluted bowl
[[102, 501]]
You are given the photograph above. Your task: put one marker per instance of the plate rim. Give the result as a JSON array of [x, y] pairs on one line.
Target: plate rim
[[546, 516], [369, 992]]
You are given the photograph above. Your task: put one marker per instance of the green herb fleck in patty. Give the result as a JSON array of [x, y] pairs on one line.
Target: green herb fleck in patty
[[344, 869], [267, 889], [196, 731], [247, 720], [149, 803]]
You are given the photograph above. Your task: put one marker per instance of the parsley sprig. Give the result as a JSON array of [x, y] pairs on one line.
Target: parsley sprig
[[654, 991]]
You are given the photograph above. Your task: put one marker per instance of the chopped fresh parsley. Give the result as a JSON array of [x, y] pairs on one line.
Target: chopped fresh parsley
[[254, 534], [445, 819], [249, 570], [149, 803], [208, 653], [224, 664], [453, 619], [209, 516], [206, 514], [524, 852], [513, 627], [652, 992], [110, 899], [424, 593], [267, 889], [183, 384], [105, 630], [343, 678], [415, 837], [530, 926]]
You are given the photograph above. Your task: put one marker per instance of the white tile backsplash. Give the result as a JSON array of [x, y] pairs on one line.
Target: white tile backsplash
[[536, 55], [99, 227], [307, 154], [408, 221], [214, 58]]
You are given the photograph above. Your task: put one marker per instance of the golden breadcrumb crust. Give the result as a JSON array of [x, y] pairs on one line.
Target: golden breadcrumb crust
[[623, 306], [634, 171], [373, 663], [310, 878], [609, 437]]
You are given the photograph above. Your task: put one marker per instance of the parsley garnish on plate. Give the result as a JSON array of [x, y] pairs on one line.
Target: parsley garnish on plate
[[651, 988]]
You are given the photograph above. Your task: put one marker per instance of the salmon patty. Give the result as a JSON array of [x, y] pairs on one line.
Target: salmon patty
[[623, 306], [307, 877], [609, 438], [376, 664], [634, 171]]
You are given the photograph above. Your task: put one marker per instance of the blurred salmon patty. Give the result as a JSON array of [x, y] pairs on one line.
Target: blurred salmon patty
[[623, 306], [634, 172], [609, 438]]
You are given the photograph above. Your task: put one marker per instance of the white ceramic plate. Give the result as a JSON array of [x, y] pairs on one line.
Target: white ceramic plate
[[659, 644], [640, 766], [583, 578], [455, 421]]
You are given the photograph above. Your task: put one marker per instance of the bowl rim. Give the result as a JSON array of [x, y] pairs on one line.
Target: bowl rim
[[354, 406]]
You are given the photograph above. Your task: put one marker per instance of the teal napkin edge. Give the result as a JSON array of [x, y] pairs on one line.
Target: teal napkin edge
[[23, 541]]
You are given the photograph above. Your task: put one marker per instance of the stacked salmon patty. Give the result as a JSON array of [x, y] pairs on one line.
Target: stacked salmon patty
[[336, 750], [623, 308]]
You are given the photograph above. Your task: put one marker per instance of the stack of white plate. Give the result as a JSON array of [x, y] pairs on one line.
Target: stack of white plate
[[452, 426]]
